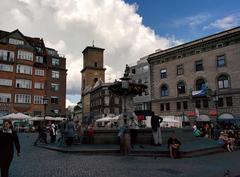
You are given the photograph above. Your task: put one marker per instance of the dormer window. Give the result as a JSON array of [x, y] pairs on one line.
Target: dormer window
[[16, 41]]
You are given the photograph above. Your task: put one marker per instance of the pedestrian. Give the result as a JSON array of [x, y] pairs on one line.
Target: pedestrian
[[42, 135], [70, 132], [174, 146], [156, 130], [90, 134], [8, 138], [80, 133], [62, 130], [53, 132]]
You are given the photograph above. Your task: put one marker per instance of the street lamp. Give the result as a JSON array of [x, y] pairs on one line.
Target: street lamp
[[45, 102], [215, 99]]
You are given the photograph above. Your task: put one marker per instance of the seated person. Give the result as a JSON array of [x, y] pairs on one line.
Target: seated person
[[225, 141], [197, 133], [174, 146]]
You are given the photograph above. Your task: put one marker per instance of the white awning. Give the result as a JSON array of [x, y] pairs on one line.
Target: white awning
[[203, 118], [226, 116]]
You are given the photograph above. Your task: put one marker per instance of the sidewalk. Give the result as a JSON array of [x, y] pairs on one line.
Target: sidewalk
[[199, 147]]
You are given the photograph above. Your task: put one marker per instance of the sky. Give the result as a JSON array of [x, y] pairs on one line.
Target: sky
[[126, 29]]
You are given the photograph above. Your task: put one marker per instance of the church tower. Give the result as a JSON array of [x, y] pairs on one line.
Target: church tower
[[92, 71]]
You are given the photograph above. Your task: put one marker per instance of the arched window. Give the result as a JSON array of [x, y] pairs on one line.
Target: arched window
[[181, 87], [223, 82], [200, 84], [164, 90]]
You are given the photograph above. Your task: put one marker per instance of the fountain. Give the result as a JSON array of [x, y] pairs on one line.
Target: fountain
[[127, 89]]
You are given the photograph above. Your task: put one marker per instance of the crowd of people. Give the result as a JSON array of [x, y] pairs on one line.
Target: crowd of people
[[66, 133]]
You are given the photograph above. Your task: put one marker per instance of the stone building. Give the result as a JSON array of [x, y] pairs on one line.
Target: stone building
[[199, 79], [140, 73], [29, 71], [93, 70]]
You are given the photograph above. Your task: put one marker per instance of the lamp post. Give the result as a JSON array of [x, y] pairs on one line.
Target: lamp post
[[215, 100], [45, 102]]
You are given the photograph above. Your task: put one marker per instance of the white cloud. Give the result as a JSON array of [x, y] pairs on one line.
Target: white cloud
[[69, 103], [225, 22], [193, 21], [71, 25]]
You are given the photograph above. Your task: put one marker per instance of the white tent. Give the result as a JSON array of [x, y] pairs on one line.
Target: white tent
[[16, 116], [171, 121], [47, 118]]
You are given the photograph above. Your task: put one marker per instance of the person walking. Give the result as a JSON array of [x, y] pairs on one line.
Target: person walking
[[62, 130], [70, 131], [42, 135], [8, 138], [53, 133], [155, 123]]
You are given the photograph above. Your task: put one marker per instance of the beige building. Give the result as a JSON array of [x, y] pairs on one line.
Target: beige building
[[199, 79]]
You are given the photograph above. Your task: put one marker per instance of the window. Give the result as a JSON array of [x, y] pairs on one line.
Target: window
[[164, 90], [95, 64], [39, 85], [95, 80], [54, 87], [185, 105], [39, 59], [178, 105], [106, 100], [16, 41], [6, 55], [39, 72], [167, 106], [38, 99], [116, 100], [133, 71], [6, 82], [181, 87], [5, 97], [25, 55], [55, 61], [180, 69], [163, 73], [221, 61], [205, 103], [229, 101], [54, 99], [55, 74], [24, 69], [162, 107], [22, 98], [223, 82], [23, 83], [200, 84], [145, 68], [199, 65], [4, 67], [52, 52], [220, 102], [198, 103]]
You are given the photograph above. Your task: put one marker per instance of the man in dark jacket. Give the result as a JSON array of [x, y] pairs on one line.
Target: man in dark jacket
[[8, 138], [155, 123]]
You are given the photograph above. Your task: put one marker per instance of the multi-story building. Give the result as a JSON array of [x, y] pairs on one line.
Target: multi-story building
[[25, 64], [103, 101], [140, 73], [199, 79]]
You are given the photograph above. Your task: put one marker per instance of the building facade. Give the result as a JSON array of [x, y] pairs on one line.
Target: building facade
[[24, 80], [103, 101], [199, 79], [140, 73]]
